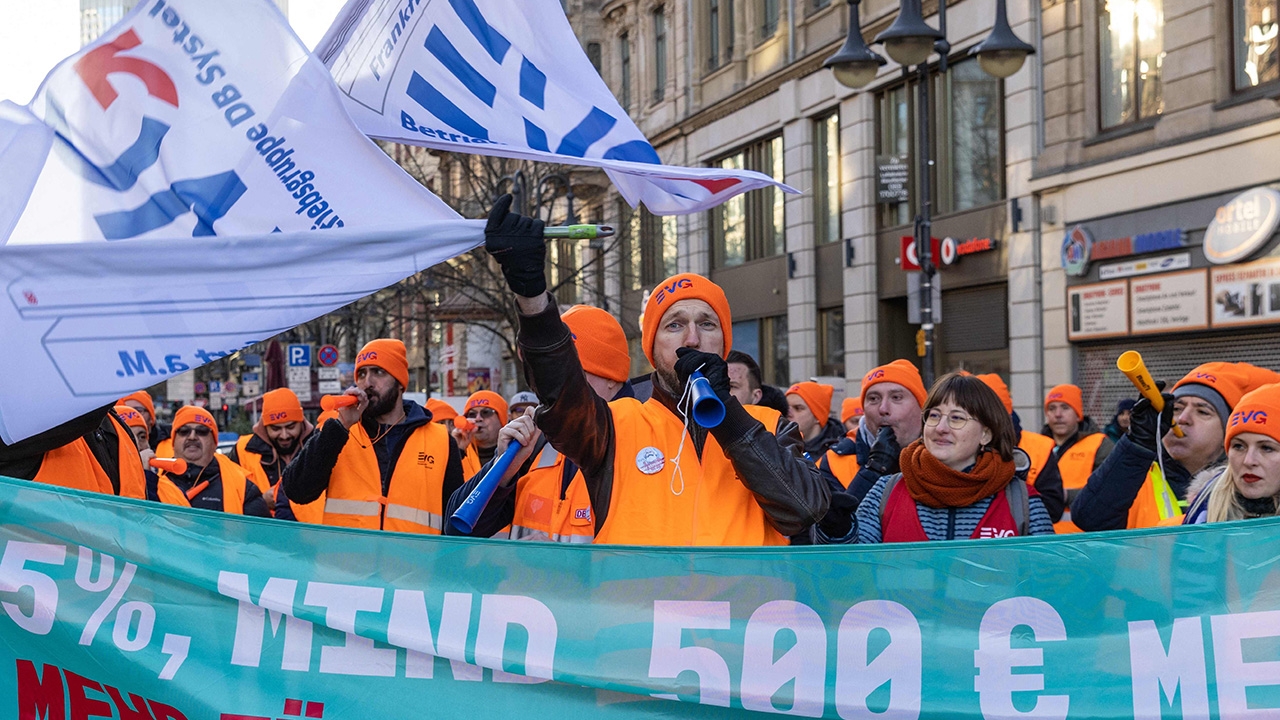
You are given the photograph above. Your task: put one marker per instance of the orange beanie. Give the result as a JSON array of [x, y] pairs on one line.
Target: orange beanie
[[850, 408], [281, 406], [1228, 379], [440, 410], [1252, 413], [1069, 394], [685, 286], [143, 398], [817, 396], [902, 372], [490, 399], [388, 354], [994, 382], [188, 414], [602, 345], [131, 417]]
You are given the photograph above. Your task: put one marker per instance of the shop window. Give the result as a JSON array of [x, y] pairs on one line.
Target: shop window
[[765, 339], [750, 226], [1255, 45], [659, 52], [768, 18], [967, 139], [831, 342], [624, 55], [1130, 60], [826, 178]]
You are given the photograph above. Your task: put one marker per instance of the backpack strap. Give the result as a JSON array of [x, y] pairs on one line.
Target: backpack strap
[[1019, 505], [884, 496]]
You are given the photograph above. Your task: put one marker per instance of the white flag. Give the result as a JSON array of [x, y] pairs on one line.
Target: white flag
[[506, 78], [188, 123]]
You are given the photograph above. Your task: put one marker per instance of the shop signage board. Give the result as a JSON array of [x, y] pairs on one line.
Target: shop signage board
[[1169, 303], [909, 259], [1163, 263], [1242, 226], [1246, 294], [892, 177], [1098, 310], [300, 382]]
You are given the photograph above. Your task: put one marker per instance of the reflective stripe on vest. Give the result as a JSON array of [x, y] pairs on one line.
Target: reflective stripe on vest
[[364, 508], [413, 503], [706, 503], [519, 532], [1156, 501]]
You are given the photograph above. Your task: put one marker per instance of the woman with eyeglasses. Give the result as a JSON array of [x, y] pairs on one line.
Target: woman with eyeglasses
[[965, 478]]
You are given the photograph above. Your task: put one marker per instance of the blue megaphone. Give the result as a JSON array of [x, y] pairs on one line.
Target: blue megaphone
[[708, 411], [465, 517]]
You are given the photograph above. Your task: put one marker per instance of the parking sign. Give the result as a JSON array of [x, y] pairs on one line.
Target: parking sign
[[299, 356]]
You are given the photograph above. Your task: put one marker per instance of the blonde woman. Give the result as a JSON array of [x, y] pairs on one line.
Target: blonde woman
[[1249, 487]]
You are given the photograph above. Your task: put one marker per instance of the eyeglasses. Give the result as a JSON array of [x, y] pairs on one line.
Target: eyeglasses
[[197, 430], [955, 420], [481, 412]]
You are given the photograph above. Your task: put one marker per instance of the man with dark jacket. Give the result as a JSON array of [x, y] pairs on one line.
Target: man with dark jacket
[[654, 476], [809, 407], [382, 465], [277, 437]]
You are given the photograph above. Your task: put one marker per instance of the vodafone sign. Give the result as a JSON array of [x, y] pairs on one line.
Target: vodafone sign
[[946, 252]]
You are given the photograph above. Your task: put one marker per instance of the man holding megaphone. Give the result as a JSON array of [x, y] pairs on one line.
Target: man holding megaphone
[[1148, 477], [382, 464], [654, 476]]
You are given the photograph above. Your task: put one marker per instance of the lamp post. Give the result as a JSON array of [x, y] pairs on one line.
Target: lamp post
[[911, 41]]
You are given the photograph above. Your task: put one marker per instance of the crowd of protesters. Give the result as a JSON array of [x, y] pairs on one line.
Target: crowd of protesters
[[608, 459]]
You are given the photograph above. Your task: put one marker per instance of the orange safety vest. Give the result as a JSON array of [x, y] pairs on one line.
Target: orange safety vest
[[705, 503], [74, 466], [413, 504], [251, 462], [1076, 465], [844, 467], [540, 512], [164, 448], [1156, 505], [470, 463], [1039, 448], [235, 485]]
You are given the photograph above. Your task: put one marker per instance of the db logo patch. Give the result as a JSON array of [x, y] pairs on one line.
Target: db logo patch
[[650, 460]]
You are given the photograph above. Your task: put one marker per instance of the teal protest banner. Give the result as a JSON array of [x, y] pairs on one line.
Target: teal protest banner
[[123, 609]]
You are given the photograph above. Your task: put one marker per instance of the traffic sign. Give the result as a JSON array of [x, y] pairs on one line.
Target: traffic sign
[[330, 387], [215, 387], [229, 388], [198, 388], [328, 355], [299, 356], [329, 373]]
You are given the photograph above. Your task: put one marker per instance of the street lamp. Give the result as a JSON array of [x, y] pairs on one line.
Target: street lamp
[[910, 41]]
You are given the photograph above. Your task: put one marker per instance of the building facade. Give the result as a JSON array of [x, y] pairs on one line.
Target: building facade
[[1135, 119]]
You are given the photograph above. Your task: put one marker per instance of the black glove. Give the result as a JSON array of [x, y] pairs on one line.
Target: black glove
[[883, 457], [712, 366], [516, 242], [1143, 417], [839, 518]]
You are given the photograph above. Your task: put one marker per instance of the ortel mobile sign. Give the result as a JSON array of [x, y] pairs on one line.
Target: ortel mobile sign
[[1242, 226]]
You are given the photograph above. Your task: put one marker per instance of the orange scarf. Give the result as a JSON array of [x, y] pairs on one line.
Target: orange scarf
[[938, 486]]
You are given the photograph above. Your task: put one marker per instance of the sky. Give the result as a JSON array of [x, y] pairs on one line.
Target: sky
[[36, 34]]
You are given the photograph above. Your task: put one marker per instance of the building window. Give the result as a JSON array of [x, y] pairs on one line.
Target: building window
[[765, 339], [649, 247], [750, 226], [768, 18], [713, 34], [593, 55], [96, 16], [1130, 60], [624, 53], [826, 178], [820, 4], [970, 164], [659, 53], [831, 342], [967, 141], [1257, 59]]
